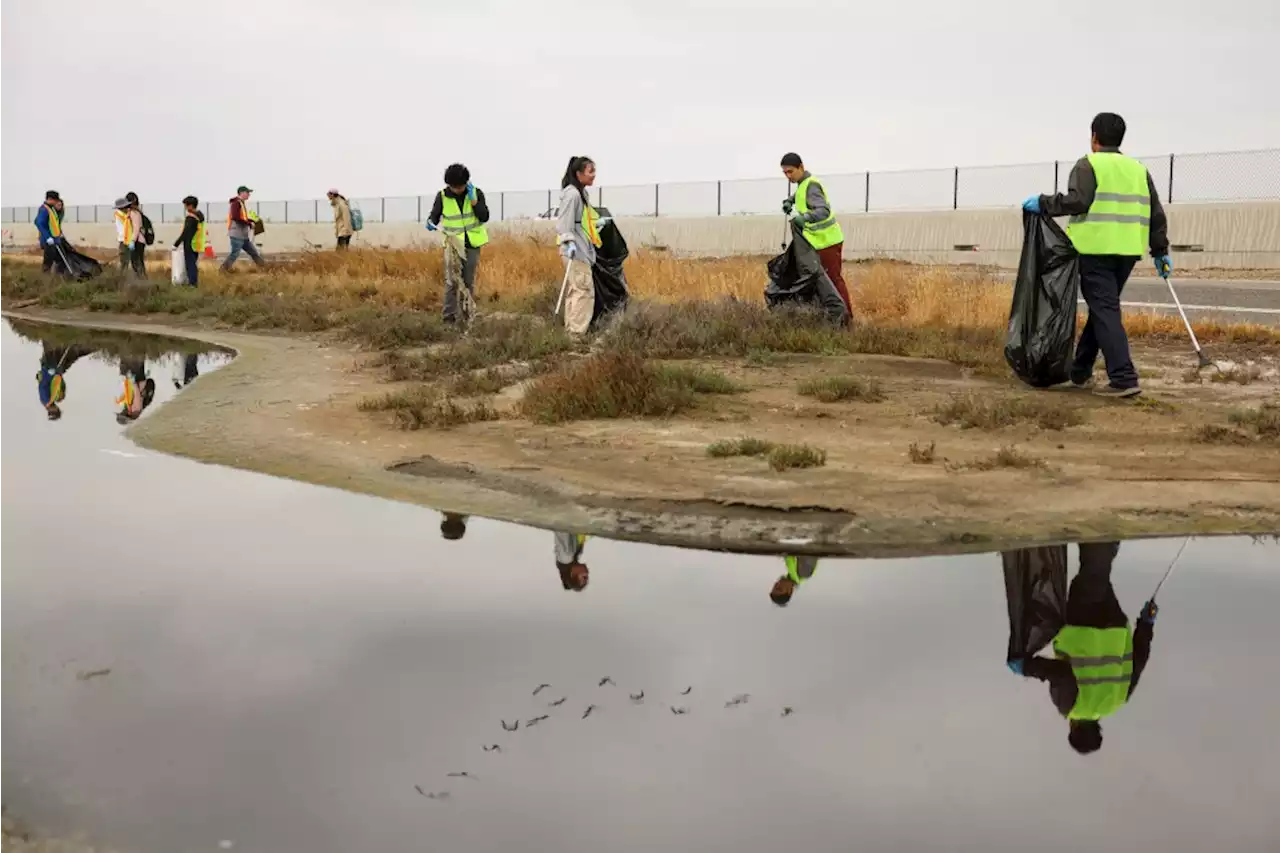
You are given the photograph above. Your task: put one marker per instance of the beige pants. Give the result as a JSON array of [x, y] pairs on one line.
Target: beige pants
[[579, 299]]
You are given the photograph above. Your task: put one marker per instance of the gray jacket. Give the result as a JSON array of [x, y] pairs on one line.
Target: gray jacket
[[1082, 185], [569, 226], [816, 200]]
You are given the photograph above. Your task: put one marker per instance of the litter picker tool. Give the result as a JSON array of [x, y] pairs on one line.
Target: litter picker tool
[[1169, 570], [1203, 359], [563, 285]]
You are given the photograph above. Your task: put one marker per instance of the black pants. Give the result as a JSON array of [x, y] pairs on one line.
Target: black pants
[[132, 258], [344, 242], [191, 261], [1092, 600], [52, 257], [1102, 279]]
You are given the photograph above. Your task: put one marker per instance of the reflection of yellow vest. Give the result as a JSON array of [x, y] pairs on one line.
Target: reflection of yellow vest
[[794, 564], [1102, 661], [130, 397]]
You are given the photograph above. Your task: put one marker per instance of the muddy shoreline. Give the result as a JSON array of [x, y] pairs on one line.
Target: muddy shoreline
[[286, 407]]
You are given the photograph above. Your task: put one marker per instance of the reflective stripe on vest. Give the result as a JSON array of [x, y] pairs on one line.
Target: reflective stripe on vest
[[461, 221], [819, 234], [590, 216], [795, 564], [1102, 662], [249, 216], [130, 398], [124, 227], [1119, 220], [55, 220]]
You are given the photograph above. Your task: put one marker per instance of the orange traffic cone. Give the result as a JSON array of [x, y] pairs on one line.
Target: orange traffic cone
[[208, 247]]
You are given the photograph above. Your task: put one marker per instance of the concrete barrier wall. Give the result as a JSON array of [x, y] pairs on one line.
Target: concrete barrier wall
[[1241, 235]]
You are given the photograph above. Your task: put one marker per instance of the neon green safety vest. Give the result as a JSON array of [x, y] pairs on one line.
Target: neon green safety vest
[[795, 564], [1102, 662], [1119, 220], [197, 242], [460, 221], [819, 234]]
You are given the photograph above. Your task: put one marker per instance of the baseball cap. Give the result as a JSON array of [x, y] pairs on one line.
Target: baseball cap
[[243, 189], [122, 203]]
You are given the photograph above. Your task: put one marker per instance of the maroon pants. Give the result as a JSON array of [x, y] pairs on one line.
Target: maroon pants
[[832, 259]]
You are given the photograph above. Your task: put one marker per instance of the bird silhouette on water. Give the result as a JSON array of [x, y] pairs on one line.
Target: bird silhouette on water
[[787, 711], [587, 713], [740, 699], [462, 774], [679, 711], [604, 681], [637, 697], [494, 748], [540, 688], [687, 690], [509, 728], [557, 703], [535, 721], [434, 795]]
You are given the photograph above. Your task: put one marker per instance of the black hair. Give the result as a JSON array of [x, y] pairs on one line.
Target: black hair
[[1085, 735], [781, 598], [132, 198], [453, 526], [791, 158], [566, 580], [457, 175], [191, 201], [576, 165], [52, 194], [1109, 128]]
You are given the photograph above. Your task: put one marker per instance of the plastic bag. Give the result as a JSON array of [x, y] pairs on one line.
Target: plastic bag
[[179, 267], [1042, 319], [75, 265], [1035, 587], [796, 277], [607, 274]]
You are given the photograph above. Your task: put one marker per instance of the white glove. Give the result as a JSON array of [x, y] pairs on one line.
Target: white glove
[[568, 249], [51, 241], [603, 221]]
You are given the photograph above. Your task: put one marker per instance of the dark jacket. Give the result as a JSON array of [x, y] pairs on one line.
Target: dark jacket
[[1082, 185], [480, 208], [190, 226], [1063, 689]]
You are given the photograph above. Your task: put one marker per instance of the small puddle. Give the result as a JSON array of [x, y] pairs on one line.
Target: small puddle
[[200, 658]]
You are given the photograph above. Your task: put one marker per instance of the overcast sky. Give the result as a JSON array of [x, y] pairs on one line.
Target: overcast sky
[[377, 96]]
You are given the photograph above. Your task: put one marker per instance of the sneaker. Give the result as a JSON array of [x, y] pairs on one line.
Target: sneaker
[[1073, 382], [1113, 391]]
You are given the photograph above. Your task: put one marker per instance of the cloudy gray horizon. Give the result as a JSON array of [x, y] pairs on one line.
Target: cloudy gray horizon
[[295, 96]]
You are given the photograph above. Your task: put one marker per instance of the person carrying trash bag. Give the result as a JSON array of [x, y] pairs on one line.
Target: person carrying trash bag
[[813, 219], [1115, 217], [608, 279], [578, 236], [1098, 658], [796, 277], [49, 227], [460, 210], [192, 239]]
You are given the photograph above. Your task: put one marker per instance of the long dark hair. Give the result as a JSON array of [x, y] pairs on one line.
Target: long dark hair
[[576, 165]]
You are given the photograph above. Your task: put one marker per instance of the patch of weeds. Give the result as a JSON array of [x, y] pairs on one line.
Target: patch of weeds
[[975, 411], [607, 385], [1192, 376], [1218, 434], [421, 407], [1264, 420], [922, 455], [1006, 457], [784, 457], [763, 358], [700, 380], [728, 447], [1240, 374], [494, 343], [1154, 404], [385, 329], [835, 389], [489, 381]]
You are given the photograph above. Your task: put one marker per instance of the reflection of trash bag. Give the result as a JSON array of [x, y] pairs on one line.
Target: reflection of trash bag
[[1042, 320], [796, 277], [1035, 586], [607, 275], [75, 265]]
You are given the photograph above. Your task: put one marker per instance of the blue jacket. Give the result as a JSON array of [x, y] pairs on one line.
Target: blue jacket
[[42, 225]]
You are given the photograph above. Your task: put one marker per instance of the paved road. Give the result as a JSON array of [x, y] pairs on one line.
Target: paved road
[[1236, 301]]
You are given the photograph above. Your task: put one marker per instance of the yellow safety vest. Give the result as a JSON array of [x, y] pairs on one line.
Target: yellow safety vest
[[1102, 661], [55, 220], [794, 564], [590, 218], [819, 234], [125, 224], [130, 397], [1119, 220], [461, 221], [197, 242]]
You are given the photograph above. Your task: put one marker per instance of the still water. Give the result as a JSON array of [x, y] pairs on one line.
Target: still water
[[198, 659]]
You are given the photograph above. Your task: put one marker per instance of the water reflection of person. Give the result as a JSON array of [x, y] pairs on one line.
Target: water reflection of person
[[137, 389], [1097, 659], [51, 382], [799, 570], [190, 370], [574, 573], [453, 526]]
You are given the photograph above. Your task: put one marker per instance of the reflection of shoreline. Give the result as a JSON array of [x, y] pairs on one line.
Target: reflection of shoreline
[[286, 406]]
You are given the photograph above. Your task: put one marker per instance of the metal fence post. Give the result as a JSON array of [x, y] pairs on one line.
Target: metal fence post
[[655, 200], [286, 213], [162, 219], [315, 210], [955, 189], [419, 208], [95, 213], [382, 209], [502, 206], [600, 196], [1055, 177], [548, 203], [717, 198], [1170, 177], [866, 195]]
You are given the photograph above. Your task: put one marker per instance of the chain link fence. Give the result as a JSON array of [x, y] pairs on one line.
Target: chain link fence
[[1226, 176]]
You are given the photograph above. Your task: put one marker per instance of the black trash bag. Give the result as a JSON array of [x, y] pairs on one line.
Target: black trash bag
[[796, 277], [75, 265], [1042, 320], [607, 275], [1035, 588]]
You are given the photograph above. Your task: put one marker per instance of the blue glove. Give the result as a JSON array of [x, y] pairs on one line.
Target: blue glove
[[471, 192], [1032, 204], [431, 226], [1015, 666], [1149, 611], [1164, 266]]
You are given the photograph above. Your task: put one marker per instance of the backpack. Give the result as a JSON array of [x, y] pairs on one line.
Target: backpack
[[148, 230], [357, 217]]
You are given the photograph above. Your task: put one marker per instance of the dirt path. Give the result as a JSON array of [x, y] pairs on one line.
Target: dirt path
[[287, 406]]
